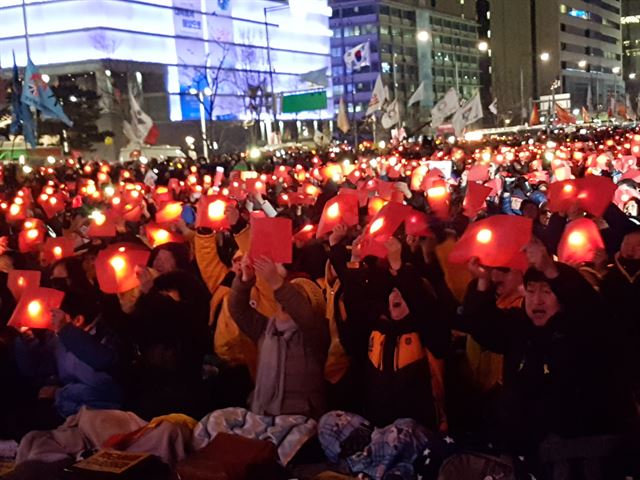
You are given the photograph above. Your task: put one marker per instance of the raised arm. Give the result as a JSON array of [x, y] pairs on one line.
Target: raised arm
[[249, 320], [211, 267], [490, 326]]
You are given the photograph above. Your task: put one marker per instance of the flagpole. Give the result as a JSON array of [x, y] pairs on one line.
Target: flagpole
[[355, 120], [26, 29]]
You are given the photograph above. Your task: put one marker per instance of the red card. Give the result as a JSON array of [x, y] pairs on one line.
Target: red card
[[478, 173], [339, 209], [116, 266], [580, 241], [34, 308], [29, 240], [272, 238], [20, 281], [169, 212], [164, 194], [416, 224], [387, 221], [57, 248], [474, 200], [210, 213], [255, 186], [101, 226], [592, 193], [157, 235], [497, 241], [305, 234]]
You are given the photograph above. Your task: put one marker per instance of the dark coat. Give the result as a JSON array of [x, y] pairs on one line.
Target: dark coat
[[556, 377], [391, 355]]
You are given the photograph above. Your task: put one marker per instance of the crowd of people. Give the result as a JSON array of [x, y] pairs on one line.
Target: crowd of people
[[392, 312]]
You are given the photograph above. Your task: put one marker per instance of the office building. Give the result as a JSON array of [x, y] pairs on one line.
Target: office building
[[172, 51], [534, 42], [430, 41], [631, 47]]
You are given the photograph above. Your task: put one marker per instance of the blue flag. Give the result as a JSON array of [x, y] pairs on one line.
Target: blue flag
[[38, 94], [21, 120]]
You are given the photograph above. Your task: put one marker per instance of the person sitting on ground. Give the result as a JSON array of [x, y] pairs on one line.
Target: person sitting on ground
[[392, 319], [292, 344], [555, 355]]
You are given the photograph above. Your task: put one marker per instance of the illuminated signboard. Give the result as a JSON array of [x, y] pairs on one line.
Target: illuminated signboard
[[228, 36]]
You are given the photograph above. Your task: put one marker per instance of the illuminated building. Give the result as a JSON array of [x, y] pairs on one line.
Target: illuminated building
[[170, 50]]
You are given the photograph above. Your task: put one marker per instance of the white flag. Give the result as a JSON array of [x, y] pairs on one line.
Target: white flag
[[343, 120], [319, 138], [319, 77], [391, 115], [493, 108], [418, 95], [398, 135], [378, 97], [631, 113], [467, 114], [358, 57], [445, 107], [140, 125]]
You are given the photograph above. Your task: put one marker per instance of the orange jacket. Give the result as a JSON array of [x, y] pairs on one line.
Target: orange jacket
[[229, 342]]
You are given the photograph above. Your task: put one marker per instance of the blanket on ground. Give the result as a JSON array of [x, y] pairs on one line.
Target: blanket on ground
[[287, 432], [92, 429]]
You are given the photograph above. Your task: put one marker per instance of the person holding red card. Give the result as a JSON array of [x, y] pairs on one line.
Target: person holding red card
[[393, 332], [556, 378], [292, 343]]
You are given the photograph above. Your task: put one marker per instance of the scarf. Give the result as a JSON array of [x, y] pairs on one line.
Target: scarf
[[269, 392]]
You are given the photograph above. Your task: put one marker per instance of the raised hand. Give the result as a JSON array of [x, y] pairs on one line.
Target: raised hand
[[268, 270], [338, 233], [540, 259], [394, 253], [232, 213], [247, 270], [404, 188]]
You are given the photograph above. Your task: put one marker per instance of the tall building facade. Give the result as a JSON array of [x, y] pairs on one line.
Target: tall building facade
[[171, 51], [631, 46], [430, 41], [535, 42]]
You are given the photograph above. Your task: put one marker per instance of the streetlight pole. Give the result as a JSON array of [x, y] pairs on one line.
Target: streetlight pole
[[26, 29], [203, 121], [203, 126], [274, 109]]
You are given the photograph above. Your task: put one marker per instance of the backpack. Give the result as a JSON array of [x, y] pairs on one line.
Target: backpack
[[477, 466]]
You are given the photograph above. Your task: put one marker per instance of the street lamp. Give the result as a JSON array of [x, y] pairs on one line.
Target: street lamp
[[483, 46], [632, 76], [545, 56], [616, 70], [266, 11], [203, 121], [582, 64], [423, 36]]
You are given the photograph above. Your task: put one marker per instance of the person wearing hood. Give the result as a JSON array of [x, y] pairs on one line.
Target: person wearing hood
[[555, 351], [392, 318], [393, 325]]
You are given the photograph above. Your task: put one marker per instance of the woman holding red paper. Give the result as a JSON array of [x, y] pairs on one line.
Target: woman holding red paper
[[292, 343]]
